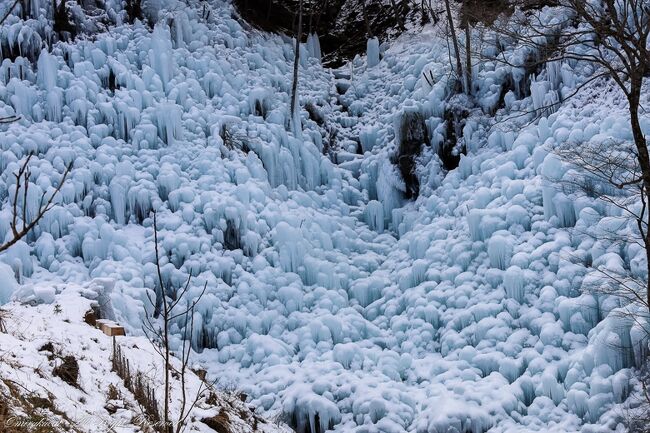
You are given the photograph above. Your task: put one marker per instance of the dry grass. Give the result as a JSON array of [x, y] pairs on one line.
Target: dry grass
[[68, 371], [219, 423], [22, 411], [142, 390], [4, 317]]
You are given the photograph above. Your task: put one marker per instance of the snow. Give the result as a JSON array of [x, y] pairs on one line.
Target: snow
[[332, 299], [60, 323]]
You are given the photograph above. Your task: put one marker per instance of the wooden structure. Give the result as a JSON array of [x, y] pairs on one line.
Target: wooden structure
[[110, 328]]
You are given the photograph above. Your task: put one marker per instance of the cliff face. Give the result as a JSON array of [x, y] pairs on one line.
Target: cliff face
[[343, 25]]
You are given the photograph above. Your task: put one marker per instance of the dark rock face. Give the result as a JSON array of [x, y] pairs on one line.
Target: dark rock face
[[485, 11], [413, 134], [342, 25]]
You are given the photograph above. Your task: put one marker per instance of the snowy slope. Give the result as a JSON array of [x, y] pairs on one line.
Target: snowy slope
[[331, 298], [38, 338]]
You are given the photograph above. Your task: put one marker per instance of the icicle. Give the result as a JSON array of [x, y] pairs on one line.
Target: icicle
[[290, 243], [54, 105], [24, 99], [313, 46], [169, 123], [515, 283], [47, 71], [553, 69], [538, 91], [367, 290], [368, 138], [161, 55], [373, 52], [375, 216], [119, 188], [500, 251]]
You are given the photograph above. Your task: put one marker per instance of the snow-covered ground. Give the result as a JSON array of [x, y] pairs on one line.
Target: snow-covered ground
[[331, 298], [39, 338]]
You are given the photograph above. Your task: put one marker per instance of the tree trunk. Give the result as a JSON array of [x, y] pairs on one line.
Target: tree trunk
[[165, 331], [168, 427], [295, 113], [468, 59], [25, 9], [454, 39], [366, 20], [644, 163]]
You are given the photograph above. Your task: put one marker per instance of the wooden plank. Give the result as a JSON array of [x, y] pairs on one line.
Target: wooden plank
[[114, 331], [110, 328]]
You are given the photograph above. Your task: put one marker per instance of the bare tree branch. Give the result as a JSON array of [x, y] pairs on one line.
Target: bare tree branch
[[22, 181], [158, 335], [9, 11]]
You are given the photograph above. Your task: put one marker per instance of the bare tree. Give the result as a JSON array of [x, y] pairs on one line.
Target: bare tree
[[399, 15], [454, 40], [9, 119], [4, 315], [62, 22], [20, 229], [133, 9], [428, 13], [22, 183], [605, 171], [613, 36], [157, 332]]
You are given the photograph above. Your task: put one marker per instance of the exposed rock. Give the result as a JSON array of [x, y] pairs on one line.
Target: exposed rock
[[344, 26]]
